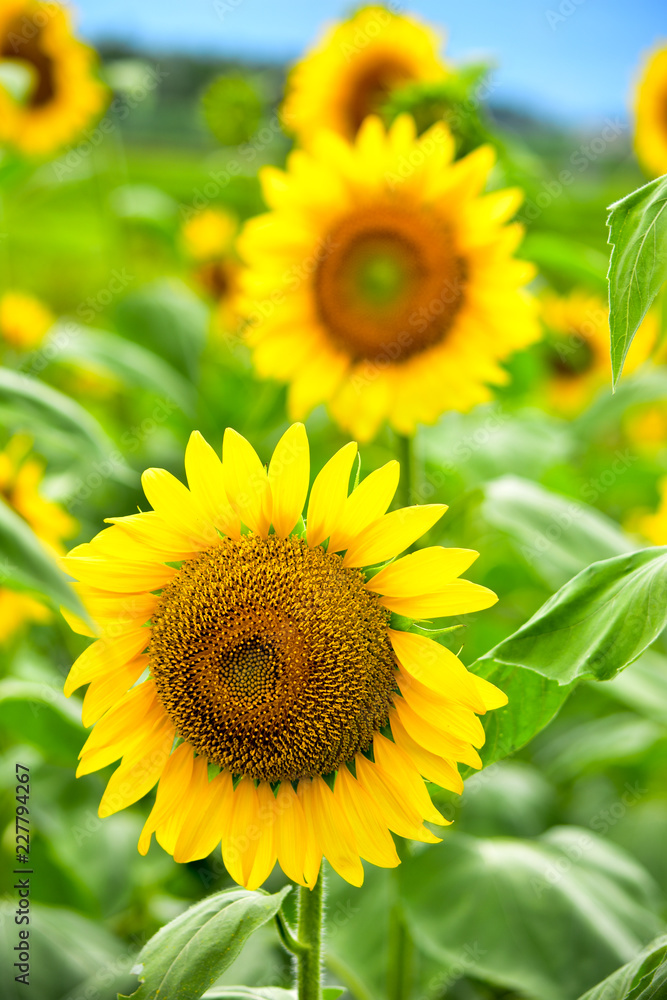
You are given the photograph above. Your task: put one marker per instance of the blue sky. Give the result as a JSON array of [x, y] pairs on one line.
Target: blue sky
[[574, 59]]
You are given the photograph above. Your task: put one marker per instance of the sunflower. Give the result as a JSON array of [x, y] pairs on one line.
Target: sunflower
[[577, 347], [382, 282], [265, 670], [208, 239], [651, 114], [63, 94], [354, 69], [21, 476], [653, 526], [24, 320]]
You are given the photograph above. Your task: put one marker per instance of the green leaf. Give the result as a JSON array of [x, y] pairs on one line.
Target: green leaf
[[598, 623], [27, 565], [253, 993], [593, 744], [545, 917], [41, 715], [644, 978], [638, 264], [644, 688], [556, 535], [186, 957], [556, 254], [169, 320], [56, 409], [133, 364]]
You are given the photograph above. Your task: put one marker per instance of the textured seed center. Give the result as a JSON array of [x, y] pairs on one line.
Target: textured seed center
[[272, 659], [371, 86], [17, 45], [391, 285]]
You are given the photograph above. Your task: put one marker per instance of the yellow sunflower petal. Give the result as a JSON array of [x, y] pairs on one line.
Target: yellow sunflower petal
[[392, 759], [206, 814], [139, 770], [392, 533], [207, 485], [460, 597], [149, 528], [492, 696], [431, 738], [436, 667], [447, 715], [289, 475], [266, 855], [365, 504], [333, 833], [328, 495], [175, 504], [105, 656], [170, 791], [389, 802], [121, 578], [105, 691], [373, 840], [314, 849], [239, 848], [246, 482], [422, 572], [291, 833], [436, 769]]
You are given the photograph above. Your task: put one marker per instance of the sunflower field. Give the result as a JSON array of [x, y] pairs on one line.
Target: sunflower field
[[333, 520]]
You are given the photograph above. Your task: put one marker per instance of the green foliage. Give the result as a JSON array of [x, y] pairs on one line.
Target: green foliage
[[644, 978], [188, 955], [232, 109], [537, 916], [638, 264], [43, 717], [27, 565]]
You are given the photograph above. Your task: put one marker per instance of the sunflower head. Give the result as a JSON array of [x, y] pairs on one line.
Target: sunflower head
[[651, 113], [355, 67], [264, 669], [577, 347], [62, 93], [24, 320], [382, 280]]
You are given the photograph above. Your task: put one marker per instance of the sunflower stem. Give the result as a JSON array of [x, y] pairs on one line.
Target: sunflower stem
[[406, 459], [309, 932], [400, 950]]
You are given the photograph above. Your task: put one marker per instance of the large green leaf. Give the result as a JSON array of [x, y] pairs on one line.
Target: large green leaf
[[71, 955], [644, 978], [133, 364], [55, 409], [185, 958], [556, 535], [638, 264], [26, 564], [594, 626], [597, 624], [168, 319], [545, 917], [644, 688]]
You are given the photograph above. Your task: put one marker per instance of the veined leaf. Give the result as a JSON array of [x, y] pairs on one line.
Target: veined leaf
[[185, 957], [133, 364], [644, 978], [26, 564], [638, 264], [599, 622], [57, 409]]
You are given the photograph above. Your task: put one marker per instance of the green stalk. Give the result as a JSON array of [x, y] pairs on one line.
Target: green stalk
[[309, 933], [400, 957], [405, 457]]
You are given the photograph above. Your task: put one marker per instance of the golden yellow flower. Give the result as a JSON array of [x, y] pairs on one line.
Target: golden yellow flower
[[63, 95], [382, 282], [24, 320], [21, 476], [208, 238], [578, 343], [651, 113], [653, 526], [354, 68], [264, 669]]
